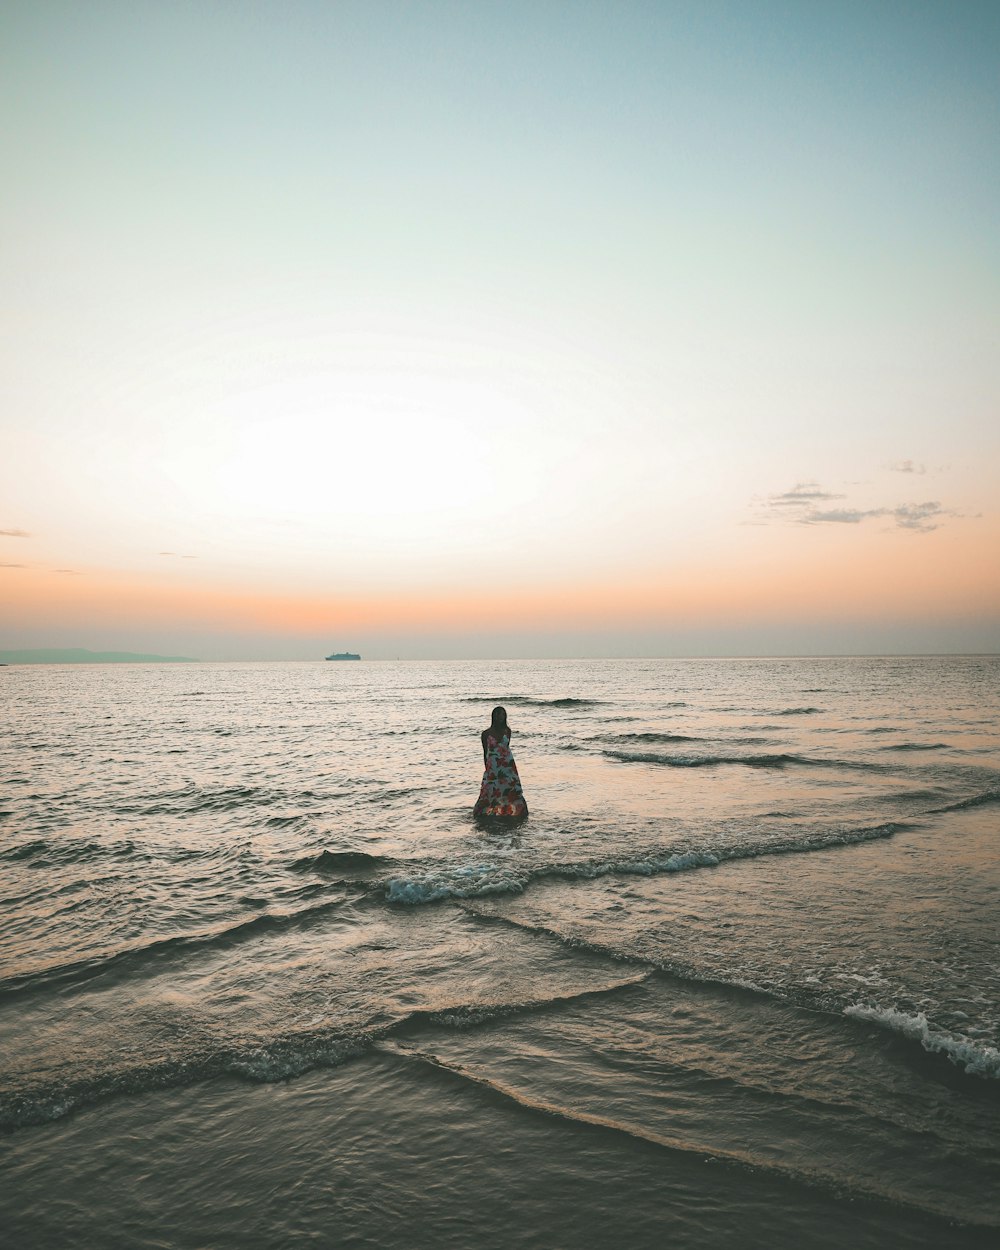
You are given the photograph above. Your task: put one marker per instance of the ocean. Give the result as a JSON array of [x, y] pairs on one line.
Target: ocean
[[265, 982]]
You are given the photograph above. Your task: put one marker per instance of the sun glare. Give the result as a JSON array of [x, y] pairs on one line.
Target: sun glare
[[361, 450]]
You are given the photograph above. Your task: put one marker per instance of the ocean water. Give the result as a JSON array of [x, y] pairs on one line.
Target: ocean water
[[264, 981]]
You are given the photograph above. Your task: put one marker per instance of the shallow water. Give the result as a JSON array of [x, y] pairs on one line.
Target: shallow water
[[737, 975]]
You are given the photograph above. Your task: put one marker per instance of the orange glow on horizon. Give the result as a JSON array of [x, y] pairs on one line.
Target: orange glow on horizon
[[762, 586]]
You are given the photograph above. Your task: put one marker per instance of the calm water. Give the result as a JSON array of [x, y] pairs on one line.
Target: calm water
[[265, 982]]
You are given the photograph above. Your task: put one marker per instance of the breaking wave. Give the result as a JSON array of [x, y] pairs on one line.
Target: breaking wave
[[974, 1057], [276, 1060], [479, 880], [263, 1060]]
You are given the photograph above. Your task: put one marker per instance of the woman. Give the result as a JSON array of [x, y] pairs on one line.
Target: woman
[[500, 793]]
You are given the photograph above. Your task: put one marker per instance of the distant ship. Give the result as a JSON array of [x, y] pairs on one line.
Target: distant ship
[[343, 655]]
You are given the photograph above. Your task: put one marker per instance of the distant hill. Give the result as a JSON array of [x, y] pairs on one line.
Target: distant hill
[[79, 655]]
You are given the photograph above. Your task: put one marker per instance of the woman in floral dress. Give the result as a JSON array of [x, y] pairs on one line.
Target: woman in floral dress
[[500, 793]]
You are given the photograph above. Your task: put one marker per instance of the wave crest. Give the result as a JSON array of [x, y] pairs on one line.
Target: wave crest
[[340, 861], [475, 881], [974, 1057], [992, 795], [520, 700], [774, 760], [656, 737]]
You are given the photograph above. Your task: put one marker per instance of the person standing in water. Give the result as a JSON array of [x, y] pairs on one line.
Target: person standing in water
[[501, 793]]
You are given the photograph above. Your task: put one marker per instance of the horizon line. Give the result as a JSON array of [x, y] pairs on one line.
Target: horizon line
[[403, 659]]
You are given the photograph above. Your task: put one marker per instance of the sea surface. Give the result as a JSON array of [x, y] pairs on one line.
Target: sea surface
[[264, 981]]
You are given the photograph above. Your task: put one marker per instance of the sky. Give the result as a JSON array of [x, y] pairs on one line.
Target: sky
[[442, 330]]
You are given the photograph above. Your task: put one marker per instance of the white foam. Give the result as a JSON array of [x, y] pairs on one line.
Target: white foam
[[472, 881], [475, 881], [281, 1063], [460, 882], [678, 862], [976, 1059]]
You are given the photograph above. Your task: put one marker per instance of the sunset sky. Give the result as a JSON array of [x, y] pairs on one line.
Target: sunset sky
[[500, 329]]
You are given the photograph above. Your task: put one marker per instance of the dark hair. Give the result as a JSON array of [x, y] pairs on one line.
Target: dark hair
[[499, 717]]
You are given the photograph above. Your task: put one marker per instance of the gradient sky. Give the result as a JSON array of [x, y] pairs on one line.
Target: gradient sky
[[474, 329]]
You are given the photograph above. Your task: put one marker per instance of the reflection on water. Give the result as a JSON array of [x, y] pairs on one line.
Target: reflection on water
[[751, 915]]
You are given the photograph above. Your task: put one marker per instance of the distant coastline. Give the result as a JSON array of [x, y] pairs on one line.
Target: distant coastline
[[80, 655]]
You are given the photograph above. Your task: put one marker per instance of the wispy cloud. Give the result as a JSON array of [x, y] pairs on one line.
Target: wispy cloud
[[15, 533], [12, 566], [176, 555], [838, 516], [906, 466], [803, 493], [73, 572], [802, 506], [921, 516]]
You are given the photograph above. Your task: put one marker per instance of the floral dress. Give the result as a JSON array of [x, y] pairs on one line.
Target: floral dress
[[500, 793]]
